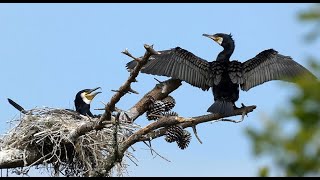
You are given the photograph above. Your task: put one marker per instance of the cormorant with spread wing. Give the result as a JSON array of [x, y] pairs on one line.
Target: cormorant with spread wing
[[222, 75]]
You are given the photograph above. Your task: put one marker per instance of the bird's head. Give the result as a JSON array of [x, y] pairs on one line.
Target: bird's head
[[221, 38], [87, 94]]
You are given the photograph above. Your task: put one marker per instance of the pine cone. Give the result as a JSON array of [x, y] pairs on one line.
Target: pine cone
[[157, 108], [169, 102], [174, 133], [184, 140], [170, 113]]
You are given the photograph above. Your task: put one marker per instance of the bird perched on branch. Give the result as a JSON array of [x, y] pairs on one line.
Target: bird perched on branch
[[83, 99], [222, 75]]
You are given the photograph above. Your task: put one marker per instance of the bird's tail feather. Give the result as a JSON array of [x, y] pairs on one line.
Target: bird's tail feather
[[16, 105], [222, 107]]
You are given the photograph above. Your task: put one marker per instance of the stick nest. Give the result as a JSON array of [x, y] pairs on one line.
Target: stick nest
[[46, 131]]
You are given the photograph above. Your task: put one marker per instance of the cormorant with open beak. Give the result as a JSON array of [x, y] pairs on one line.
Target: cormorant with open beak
[[83, 100]]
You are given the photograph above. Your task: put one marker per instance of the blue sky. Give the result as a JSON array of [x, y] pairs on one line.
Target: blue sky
[[48, 52]]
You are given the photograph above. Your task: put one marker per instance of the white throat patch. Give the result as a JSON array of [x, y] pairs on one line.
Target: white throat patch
[[220, 40], [84, 98]]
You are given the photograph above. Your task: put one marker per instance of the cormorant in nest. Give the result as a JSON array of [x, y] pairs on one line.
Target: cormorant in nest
[[222, 75], [83, 100]]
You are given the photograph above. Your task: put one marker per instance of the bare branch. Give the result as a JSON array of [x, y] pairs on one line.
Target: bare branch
[[159, 92], [194, 128], [152, 150], [86, 127], [151, 50], [157, 80], [12, 158], [189, 122], [159, 127], [126, 86], [126, 52], [132, 91], [110, 106]]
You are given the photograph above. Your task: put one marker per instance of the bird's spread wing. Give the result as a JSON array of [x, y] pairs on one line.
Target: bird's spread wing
[[179, 64], [270, 65]]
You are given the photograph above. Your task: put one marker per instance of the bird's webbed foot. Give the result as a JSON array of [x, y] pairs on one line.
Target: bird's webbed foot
[[242, 106]]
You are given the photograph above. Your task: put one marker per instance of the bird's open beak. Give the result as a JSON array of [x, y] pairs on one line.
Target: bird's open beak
[[92, 94]]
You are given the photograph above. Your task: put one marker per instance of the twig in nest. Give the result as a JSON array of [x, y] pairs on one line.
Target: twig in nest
[[100, 109], [128, 119]]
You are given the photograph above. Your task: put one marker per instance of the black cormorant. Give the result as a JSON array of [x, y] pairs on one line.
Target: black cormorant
[[83, 100], [222, 75]]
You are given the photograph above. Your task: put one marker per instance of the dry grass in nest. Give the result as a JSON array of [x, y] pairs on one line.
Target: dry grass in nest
[[46, 131]]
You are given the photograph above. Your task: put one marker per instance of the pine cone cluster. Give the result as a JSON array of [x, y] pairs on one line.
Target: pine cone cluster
[[174, 133], [159, 107], [179, 135]]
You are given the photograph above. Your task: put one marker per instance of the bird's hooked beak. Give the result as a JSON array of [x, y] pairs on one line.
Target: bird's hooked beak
[[91, 94], [217, 39]]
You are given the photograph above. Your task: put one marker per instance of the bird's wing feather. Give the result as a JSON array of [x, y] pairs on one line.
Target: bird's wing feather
[[180, 64], [235, 72], [270, 65]]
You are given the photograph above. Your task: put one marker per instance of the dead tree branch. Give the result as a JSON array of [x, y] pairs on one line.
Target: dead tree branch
[[194, 128], [126, 87], [193, 121], [110, 106], [159, 127], [12, 158], [160, 91]]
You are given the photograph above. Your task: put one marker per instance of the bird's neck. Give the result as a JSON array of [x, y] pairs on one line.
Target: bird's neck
[[226, 53]]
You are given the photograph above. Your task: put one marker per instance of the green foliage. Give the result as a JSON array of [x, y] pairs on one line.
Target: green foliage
[[264, 172], [297, 152], [312, 15]]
